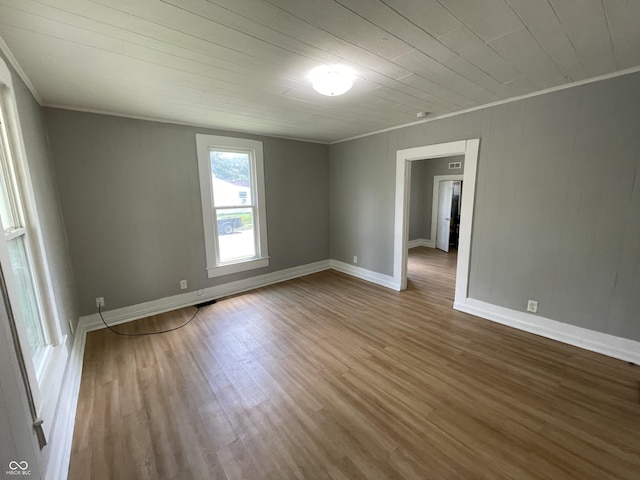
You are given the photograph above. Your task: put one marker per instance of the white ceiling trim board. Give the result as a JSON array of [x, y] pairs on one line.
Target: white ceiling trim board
[[173, 122], [4, 48], [599, 78]]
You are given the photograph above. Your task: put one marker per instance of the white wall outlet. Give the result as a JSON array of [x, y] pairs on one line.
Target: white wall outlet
[[183, 284], [200, 293], [355, 259], [532, 306], [100, 302]]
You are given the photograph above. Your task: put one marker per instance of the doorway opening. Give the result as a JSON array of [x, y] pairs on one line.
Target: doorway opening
[[446, 212], [404, 159]]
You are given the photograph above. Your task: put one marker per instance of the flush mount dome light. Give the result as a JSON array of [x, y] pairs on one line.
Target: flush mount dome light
[[332, 81]]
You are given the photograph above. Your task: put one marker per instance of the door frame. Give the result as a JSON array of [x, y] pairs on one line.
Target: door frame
[[434, 205], [469, 148]]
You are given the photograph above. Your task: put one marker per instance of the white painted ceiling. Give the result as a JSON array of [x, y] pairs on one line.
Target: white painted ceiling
[[243, 64]]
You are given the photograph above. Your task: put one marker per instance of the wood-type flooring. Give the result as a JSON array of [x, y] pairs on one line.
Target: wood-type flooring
[[331, 377]]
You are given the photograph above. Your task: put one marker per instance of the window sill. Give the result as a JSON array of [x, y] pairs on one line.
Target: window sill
[[228, 269]]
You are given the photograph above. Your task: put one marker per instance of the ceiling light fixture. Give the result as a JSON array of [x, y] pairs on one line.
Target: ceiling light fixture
[[332, 81]]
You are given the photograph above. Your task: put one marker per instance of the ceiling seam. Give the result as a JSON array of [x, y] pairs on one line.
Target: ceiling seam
[[606, 21], [567, 77], [555, 13]]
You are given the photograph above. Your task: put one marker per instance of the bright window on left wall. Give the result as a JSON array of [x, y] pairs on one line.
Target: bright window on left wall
[[25, 293], [26, 283], [233, 203]]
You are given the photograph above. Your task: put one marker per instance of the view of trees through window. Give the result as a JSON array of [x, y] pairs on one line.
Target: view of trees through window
[[233, 204], [231, 167], [231, 174]]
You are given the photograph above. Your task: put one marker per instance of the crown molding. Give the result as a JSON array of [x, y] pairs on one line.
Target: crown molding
[[4, 48], [565, 86], [224, 130]]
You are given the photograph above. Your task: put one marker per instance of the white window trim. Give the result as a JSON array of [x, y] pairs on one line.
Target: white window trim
[[204, 144], [44, 384]]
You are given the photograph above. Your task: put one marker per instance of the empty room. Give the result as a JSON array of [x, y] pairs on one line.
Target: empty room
[[331, 239]]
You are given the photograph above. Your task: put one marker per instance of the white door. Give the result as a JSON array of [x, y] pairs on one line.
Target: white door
[[445, 194]]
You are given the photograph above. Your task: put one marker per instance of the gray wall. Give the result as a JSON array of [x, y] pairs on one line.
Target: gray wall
[[417, 201], [557, 212], [421, 194], [131, 196], [361, 202]]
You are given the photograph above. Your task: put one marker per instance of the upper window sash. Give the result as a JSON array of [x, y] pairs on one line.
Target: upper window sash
[[10, 210]]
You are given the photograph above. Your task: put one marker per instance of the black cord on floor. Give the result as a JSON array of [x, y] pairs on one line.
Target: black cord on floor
[[147, 333]]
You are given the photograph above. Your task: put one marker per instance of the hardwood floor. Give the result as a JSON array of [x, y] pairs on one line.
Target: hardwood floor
[[329, 377]]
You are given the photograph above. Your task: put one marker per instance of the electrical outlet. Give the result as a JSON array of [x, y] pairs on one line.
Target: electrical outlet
[[200, 293], [183, 284], [100, 302], [355, 259], [532, 306]]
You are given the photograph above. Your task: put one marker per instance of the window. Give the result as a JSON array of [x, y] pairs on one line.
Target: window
[[24, 278], [17, 243], [233, 203]]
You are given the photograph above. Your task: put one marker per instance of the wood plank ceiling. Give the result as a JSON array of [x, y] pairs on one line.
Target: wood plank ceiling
[[243, 64]]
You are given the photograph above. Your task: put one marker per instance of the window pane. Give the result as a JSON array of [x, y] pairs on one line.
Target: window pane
[[6, 214], [236, 238], [231, 176], [26, 303], [5, 210]]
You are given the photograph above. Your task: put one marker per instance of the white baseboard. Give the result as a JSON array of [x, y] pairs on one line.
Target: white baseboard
[[421, 242], [60, 455], [156, 307], [364, 274], [610, 345]]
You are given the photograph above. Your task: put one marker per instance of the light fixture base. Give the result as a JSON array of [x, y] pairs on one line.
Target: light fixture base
[[332, 81]]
